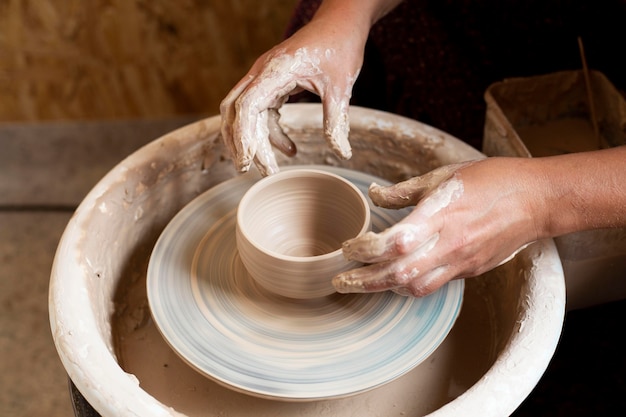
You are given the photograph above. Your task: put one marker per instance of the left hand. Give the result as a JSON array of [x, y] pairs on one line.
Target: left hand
[[323, 58]]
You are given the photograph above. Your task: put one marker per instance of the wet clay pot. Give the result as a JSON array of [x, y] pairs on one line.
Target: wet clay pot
[[290, 228], [498, 349]]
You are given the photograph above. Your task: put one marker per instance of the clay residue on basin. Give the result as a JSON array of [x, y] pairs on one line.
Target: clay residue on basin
[[466, 354], [127, 217], [388, 147], [112, 351], [392, 152]]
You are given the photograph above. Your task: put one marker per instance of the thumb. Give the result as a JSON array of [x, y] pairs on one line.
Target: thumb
[[410, 192]]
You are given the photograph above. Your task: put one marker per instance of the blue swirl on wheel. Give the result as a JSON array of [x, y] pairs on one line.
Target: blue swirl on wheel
[[229, 329]]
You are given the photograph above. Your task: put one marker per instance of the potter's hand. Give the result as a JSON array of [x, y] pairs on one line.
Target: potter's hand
[[323, 58], [468, 218]]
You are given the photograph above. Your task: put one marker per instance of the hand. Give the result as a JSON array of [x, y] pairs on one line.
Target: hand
[[468, 218], [324, 58]]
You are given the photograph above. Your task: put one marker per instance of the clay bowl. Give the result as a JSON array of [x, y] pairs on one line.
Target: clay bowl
[[290, 228], [499, 347]]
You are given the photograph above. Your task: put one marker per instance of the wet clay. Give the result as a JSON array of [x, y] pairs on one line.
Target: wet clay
[[313, 226], [250, 105]]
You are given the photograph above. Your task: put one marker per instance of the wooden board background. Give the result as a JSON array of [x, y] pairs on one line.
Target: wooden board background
[[109, 59]]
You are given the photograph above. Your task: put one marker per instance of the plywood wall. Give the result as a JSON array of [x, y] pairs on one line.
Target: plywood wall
[[103, 59]]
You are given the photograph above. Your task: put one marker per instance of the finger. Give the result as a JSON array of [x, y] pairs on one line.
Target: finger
[[430, 282], [277, 136], [410, 192], [245, 130], [227, 112], [371, 278], [427, 283], [337, 123], [400, 195], [396, 241], [411, 272], [251, 120], [264, 157]]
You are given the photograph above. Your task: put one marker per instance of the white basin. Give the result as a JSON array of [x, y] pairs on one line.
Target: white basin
[[500, 346]]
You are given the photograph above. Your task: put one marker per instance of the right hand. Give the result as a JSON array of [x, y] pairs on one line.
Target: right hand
[[467, 218], [322, 57]]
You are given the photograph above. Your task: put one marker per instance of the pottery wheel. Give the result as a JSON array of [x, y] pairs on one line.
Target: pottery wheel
[[226, 327]]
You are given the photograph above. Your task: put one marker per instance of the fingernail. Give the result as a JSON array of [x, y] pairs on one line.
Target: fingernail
[[267, 170], [242, 166], [344, 284]]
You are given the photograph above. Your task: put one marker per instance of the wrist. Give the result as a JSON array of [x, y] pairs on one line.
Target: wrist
[[361, 14], [579, 191]]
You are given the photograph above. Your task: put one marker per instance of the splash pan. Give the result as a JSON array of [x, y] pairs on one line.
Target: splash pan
[[493, 356]]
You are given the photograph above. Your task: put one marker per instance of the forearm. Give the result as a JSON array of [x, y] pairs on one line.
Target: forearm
[[360, 13], [581, 191]]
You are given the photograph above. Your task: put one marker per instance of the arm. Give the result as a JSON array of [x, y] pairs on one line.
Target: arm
[[470, 218], [585, 191], [323, 57]]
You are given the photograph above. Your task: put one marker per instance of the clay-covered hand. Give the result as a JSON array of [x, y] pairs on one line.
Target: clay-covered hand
[[323, 58], [468, 218]]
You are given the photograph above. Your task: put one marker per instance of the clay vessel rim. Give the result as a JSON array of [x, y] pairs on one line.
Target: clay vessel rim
[[290, 174]]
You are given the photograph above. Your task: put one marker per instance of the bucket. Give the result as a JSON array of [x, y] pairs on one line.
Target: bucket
[[552, 114]]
